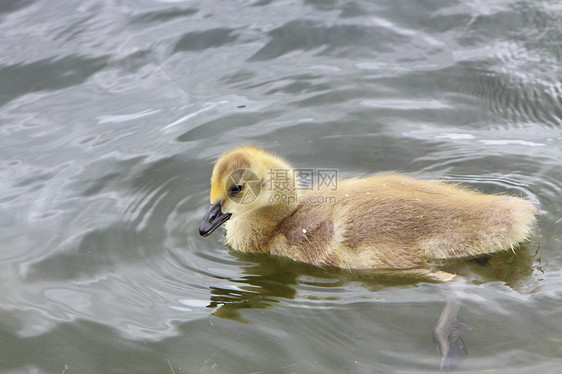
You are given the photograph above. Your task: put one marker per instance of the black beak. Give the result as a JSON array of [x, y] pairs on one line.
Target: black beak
[[213, 219]]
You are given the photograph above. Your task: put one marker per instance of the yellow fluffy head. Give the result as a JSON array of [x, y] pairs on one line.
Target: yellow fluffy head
[[242, 179]]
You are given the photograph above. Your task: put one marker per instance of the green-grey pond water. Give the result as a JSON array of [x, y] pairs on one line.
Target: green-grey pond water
[[112, 114]]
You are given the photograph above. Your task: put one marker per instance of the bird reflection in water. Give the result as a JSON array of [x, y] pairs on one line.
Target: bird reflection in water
[[266, 280]]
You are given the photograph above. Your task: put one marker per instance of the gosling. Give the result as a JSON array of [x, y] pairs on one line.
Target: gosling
[[383, 222]]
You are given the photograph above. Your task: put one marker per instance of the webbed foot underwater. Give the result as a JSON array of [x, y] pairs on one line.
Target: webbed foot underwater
[[386, 221]]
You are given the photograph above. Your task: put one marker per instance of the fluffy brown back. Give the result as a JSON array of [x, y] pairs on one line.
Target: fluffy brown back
[[393, 221]]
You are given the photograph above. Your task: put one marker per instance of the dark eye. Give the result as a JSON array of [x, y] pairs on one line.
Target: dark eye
[[236, 189]]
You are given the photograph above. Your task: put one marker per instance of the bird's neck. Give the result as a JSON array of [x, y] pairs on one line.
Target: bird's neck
[[252, 231]]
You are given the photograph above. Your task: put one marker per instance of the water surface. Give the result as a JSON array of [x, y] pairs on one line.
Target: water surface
[[112, 114]]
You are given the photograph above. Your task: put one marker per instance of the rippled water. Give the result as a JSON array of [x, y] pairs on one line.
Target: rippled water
[[112, 114]]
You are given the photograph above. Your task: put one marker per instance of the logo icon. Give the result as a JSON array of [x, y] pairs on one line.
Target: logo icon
[[243, 186]]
